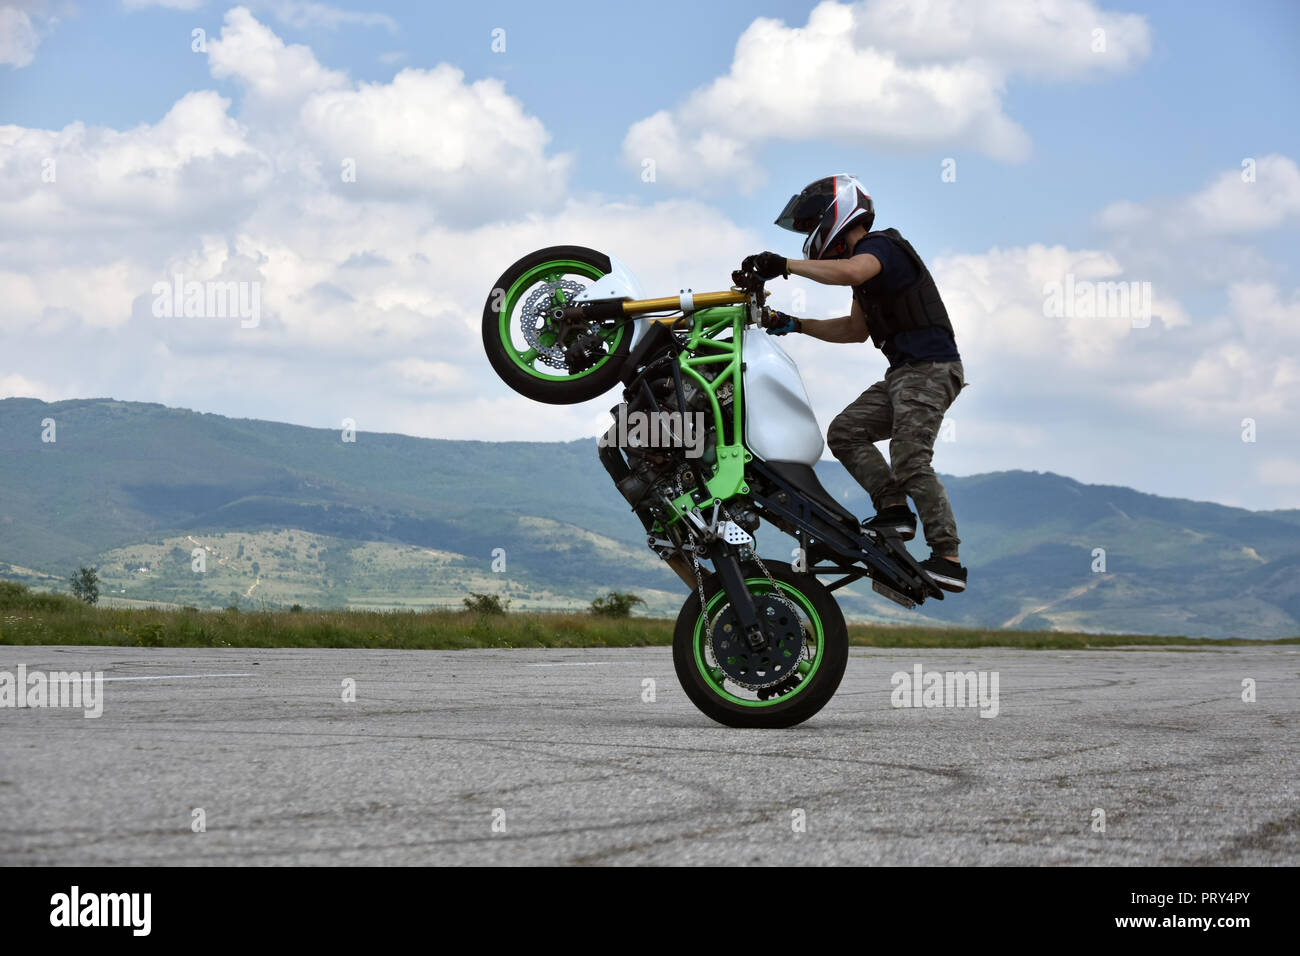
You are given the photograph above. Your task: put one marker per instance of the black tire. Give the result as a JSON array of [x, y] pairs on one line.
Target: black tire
[[792, 709], [551, 391]]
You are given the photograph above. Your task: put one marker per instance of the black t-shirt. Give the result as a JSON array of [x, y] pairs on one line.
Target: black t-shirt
[[897, 272]]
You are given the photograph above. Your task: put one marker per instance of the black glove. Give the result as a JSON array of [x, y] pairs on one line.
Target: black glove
[[778, 323], [766, 265]]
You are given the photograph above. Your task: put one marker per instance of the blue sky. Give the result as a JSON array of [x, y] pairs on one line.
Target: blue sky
[[1217, 82], [1162, 121]]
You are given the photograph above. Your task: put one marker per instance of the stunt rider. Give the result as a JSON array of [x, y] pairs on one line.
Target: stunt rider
[[897, 305]]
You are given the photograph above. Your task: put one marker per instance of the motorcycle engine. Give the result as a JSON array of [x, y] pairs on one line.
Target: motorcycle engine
[[669, 451]]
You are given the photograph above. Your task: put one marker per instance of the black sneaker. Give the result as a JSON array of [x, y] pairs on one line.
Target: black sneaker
[[947, 574], [897, 519]]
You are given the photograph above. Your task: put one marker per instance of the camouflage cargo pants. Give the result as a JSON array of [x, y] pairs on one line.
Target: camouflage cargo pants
[[907, 408]]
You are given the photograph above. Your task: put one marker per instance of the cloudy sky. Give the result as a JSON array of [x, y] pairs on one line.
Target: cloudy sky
[[1019, 145]]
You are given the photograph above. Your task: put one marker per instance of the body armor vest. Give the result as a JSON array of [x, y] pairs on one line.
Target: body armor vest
[[918, 306]]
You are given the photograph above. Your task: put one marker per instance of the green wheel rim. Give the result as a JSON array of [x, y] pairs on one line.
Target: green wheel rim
[[550, 272], [713, 676]]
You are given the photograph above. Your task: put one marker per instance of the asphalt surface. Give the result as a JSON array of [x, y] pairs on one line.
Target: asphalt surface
[[561, 752]]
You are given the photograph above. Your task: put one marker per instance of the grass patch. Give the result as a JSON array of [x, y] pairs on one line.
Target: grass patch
[[28, 618], [440, 630]]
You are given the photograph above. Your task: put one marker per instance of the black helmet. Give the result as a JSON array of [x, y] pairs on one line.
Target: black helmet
[[825, 210]]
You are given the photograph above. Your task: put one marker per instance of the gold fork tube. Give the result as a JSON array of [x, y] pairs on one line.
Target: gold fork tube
[[703, 300]]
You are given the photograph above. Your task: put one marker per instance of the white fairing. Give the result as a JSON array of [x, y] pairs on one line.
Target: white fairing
[[619, 284], [779, 420]]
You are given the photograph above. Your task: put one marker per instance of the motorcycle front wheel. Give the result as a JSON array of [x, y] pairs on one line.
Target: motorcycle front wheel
[[529, 351], [735, 687]]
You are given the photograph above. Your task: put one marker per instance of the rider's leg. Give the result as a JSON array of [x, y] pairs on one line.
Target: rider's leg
[[851, 437], [921, 394]]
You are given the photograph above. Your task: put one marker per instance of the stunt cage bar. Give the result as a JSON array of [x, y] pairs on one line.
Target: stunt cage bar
[[789, 495]]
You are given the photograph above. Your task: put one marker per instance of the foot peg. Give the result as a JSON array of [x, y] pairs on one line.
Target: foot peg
[[893, 595]]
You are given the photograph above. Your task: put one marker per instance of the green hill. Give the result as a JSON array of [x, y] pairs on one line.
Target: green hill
[[287, 514]]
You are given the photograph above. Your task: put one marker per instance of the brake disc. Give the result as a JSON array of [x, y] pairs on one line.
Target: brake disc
[[535, 318], [772, 663]]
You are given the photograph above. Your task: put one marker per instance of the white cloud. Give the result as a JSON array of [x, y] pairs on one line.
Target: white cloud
[[470, 149], [19, 386], [1202, 373], [1235, 203], [1045, 38], [193, 164], [1001, 300], [1249, 366], [470, 146], [91, 218], [1232, 205], [394, 343], [884, 74], [1267, 321], [18, 37], [376, 290], [1157, 408], [64, 297], [708, 156], [270, 70]]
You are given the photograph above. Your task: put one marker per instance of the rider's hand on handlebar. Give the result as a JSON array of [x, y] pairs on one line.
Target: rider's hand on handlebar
[[766, 265], [778, 323]]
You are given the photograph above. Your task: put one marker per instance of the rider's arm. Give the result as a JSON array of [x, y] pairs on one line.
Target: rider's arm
[[847, 328], [852, 271]]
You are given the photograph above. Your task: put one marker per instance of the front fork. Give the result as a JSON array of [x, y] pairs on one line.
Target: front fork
[[726, 563], [727, 566]]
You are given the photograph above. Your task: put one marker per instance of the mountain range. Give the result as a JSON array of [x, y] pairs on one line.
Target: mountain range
[[190, 508]]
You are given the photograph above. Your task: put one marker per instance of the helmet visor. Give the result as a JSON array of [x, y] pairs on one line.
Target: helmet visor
[[802, 213], [805, 209]]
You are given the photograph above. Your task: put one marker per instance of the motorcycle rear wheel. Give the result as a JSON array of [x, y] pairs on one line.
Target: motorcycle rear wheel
[[826, 648]]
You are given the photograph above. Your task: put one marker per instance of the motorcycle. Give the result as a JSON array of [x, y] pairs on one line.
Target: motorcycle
[[758, 643]]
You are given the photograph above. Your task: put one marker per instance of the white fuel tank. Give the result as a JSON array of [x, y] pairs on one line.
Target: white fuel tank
[[779, 420]]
